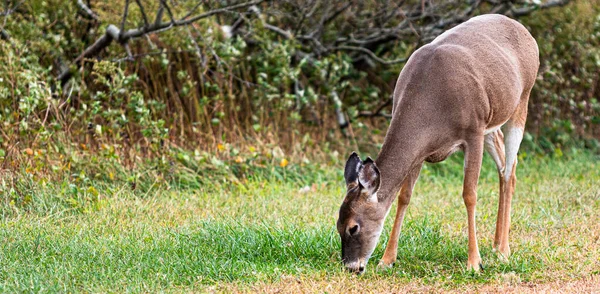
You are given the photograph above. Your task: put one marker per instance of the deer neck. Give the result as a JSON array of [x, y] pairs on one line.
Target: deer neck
[[400, 154]]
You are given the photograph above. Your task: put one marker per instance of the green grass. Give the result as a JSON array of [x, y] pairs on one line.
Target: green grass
[[262, 234]]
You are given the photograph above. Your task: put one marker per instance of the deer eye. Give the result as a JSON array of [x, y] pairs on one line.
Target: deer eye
[[353, 230]]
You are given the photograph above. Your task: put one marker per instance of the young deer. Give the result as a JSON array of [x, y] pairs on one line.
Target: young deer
[[453, 94]]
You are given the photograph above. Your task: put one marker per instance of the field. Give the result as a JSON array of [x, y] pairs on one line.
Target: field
[[267, 236]]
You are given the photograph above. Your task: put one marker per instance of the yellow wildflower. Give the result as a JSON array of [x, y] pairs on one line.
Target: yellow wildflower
[[284, 162]]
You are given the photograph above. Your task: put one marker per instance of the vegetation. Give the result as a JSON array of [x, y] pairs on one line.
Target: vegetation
[[196, 87], [207, 155], [266, 234], [193, 98]]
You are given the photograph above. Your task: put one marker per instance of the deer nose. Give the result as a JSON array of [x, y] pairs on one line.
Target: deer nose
[[355, 267]]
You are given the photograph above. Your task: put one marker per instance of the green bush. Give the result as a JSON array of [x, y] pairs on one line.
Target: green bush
[[195, 89], [564, 109]]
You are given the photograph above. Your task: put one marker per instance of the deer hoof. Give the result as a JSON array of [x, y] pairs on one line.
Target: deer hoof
[[475, 266], [502, 257], [384, 265], [503, 253]]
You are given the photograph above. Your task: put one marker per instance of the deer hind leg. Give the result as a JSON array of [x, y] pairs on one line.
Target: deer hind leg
[[513, 137], [391, 250], [494, 145], [473, 158]]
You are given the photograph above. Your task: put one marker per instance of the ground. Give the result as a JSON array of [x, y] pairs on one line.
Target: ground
[[269, 236]]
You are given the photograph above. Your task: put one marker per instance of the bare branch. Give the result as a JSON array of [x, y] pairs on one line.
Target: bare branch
[[527, 10], [371, 54], [278, 30], [128, 50], [192, 11], [146, 23], [338, 12], [219, 10], [341, 118], [125, 12], [87, 11], [159, 14], [377, 111], [319, 29], [112, 33], [164, 5]]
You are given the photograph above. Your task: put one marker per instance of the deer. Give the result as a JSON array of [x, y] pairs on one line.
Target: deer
[[466, 90]]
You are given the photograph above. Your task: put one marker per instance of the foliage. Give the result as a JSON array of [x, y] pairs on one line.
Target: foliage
[[565, 103], [196, 106]]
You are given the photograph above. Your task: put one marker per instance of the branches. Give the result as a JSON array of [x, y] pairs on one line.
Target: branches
[[142, 12], [9, 11], [330, 40], [361, 32], [527, 10], [87, 11], [371, 54], [125, 13], [4, 35], [377, 111], [361, 28], [124, 36], [138, 32], [368, 30], [112, 33], [163, 6], [220, 10]]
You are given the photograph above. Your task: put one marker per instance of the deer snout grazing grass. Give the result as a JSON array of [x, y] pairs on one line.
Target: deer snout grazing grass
[[467, 90]]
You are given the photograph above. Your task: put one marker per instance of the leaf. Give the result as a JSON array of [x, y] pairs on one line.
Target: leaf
[[558, 152]]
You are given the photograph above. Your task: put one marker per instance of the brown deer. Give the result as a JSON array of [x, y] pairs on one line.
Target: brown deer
[[453, 94]]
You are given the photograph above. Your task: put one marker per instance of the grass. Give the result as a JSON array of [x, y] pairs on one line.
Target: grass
[[266, 236]]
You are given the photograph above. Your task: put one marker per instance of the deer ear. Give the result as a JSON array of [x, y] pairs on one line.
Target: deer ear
[[368, 176], [353, 164]]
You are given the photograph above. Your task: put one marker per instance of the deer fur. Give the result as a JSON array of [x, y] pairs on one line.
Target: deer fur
[[466, 90]]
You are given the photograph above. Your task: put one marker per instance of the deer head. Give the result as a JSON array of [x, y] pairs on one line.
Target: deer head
[[361, 215]]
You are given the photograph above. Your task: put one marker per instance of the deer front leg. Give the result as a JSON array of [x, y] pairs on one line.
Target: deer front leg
[[391, 250], [473, 158]]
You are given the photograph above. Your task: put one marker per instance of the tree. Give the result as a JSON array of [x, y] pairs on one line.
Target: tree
[[362, 26]]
